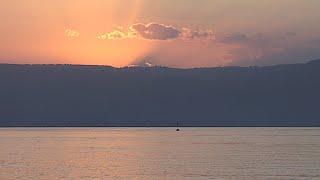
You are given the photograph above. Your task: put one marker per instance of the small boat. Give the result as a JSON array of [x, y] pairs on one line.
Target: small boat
[[177, 126]]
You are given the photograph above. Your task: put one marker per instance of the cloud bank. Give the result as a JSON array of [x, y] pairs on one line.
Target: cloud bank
[[236, 49], [157, 31], [186, 47]]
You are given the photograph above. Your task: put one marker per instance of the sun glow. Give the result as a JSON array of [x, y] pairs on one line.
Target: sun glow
[[94, 34]]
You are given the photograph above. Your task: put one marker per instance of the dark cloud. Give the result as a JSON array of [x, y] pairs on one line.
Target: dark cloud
[[314, 42], [245, 50], [291, 34], [156, 31], [258, 39], [262, 49], [235, 38], [287, 56]]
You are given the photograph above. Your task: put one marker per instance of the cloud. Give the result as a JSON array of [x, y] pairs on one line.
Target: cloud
[[268, 49], [315, 42], [72, 33], [257, 39], [235, 38], [142, 63], [114, 35], [291, 34], [234, 49], [252, 49], [155, 31], [189, 34]]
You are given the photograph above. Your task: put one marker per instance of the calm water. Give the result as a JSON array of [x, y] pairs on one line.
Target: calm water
[[160, 153]]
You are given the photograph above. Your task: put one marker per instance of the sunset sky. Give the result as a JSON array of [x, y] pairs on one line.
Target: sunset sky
[[177, 33]]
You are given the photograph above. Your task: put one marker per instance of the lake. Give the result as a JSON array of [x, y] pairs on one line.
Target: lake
[[160, 153]]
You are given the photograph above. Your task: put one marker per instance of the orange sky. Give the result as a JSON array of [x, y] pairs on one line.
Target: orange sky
[[184, 33]]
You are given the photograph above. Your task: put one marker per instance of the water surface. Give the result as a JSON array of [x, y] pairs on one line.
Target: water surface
[[160, 153]]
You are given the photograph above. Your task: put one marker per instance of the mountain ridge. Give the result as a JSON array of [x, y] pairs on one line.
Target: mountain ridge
[[82, 95]]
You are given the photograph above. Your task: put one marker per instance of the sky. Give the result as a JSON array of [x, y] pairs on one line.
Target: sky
[[179, 33]]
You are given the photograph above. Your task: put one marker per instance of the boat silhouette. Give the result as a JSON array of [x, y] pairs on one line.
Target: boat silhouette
[[178, 129]]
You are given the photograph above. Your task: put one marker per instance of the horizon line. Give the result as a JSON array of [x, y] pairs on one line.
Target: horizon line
[[147, 67]]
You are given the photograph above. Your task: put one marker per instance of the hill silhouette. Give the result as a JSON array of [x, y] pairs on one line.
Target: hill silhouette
[[76, 95]]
